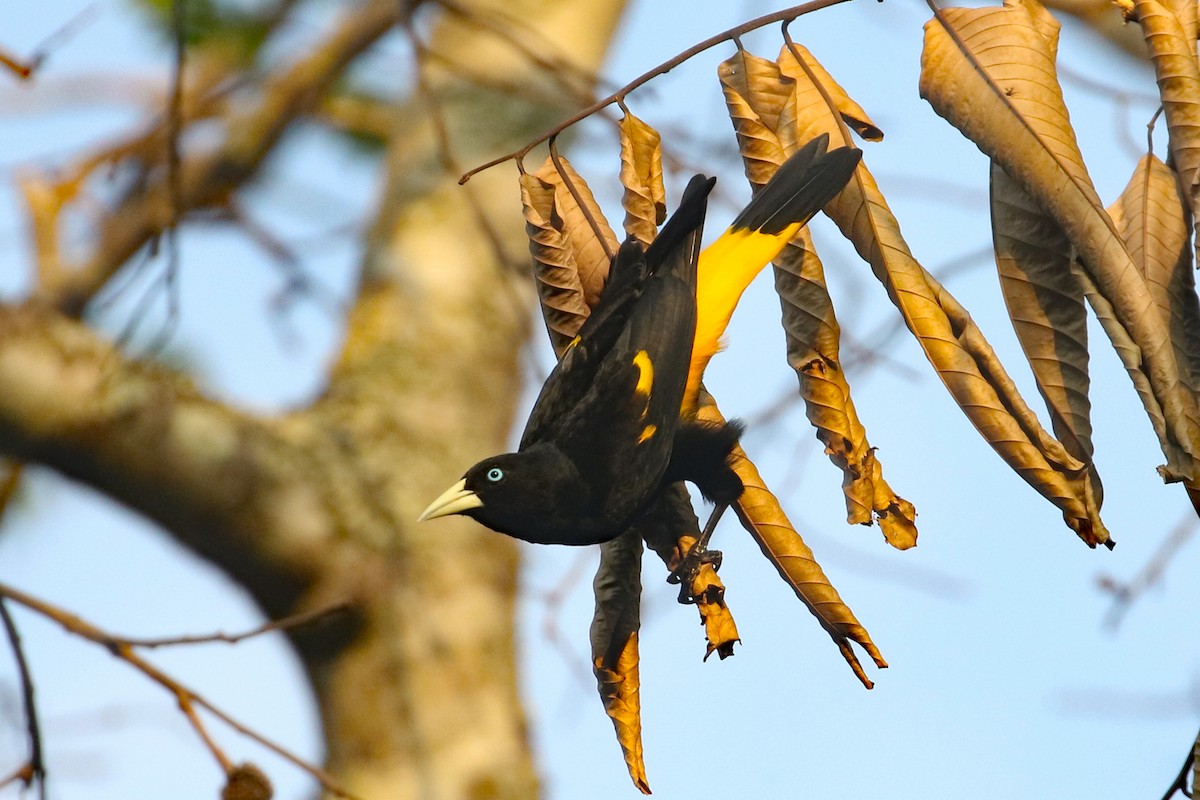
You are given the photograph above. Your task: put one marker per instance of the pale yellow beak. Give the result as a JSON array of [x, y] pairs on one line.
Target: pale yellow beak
[[454, 500]]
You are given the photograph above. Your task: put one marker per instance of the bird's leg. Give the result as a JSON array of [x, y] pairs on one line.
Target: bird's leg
[[685, 573]]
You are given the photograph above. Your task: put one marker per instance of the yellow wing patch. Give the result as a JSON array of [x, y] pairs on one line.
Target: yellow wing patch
[[647, 432], [645, 373]]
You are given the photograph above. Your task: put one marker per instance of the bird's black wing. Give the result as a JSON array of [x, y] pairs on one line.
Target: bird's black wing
[[620, 435], [575, 371]]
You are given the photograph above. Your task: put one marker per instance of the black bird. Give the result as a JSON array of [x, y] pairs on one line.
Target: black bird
[[615, 421]]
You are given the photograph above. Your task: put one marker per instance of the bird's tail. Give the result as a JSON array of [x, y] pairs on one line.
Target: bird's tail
[[677, 246], [798, 189]]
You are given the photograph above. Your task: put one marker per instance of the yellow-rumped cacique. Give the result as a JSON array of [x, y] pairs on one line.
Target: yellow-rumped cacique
[[615, 423]]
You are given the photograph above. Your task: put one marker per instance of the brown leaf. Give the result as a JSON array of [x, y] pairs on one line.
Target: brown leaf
[[990, 73], [708, 592], [589, 247], [554, 271], [644, 199], [671, 529], [755, 97], [614, 637], [1178, 75], [814, 73], [761, 515], [1045, 303], [812, 335], [1150, 218], [809, 321], [952, 343]]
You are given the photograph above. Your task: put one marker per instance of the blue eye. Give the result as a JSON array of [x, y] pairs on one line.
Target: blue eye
[[495, 475]]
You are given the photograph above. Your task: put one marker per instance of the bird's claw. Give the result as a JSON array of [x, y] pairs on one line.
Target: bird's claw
[[689, 567]]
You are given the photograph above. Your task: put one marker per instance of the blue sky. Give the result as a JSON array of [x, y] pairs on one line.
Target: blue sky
[[1004, 682]]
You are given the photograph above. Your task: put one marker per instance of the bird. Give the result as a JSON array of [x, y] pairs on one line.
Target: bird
[[615, 422]]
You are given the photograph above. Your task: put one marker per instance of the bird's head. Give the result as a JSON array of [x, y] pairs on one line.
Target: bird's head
[[510, 493], [535, 495]]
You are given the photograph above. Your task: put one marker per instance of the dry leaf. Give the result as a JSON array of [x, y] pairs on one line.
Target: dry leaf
[[761, 515], [589, 247], [1045, 303], [815, 73], [952, 343], [812, 334], [1150, 218], [614, 637], [670, 528], [808, 316], [1178, 74], [756, 97], [554, 271], [644, 199], [990, 73]]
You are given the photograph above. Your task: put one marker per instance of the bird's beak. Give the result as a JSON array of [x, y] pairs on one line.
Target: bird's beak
[[455, 500]]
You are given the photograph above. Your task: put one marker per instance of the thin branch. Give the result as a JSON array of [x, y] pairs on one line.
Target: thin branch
[[733, 34], [187, 699], [35, 768], [1124, 594], [207, 179], [285, 624], [25, 68], [579, 201]]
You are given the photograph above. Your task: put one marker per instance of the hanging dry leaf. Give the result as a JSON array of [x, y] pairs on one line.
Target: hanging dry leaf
[[808, 317], [989, 72], [1045, 303], [761, 515], [796, 58], [812, 334], [1186, 12], [1151, 219], [671, 529], [755, 97], [1178, 75], [952, 343], [554, 270], [590, 247], [644, 199], [614, 637]]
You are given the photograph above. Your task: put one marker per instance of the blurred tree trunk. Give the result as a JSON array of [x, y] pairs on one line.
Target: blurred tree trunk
[[418, 692]]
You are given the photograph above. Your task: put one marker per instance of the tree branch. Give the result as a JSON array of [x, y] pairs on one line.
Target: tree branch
[[206, 179], [247, 493]]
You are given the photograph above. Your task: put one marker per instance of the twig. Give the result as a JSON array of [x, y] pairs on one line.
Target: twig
[[730, 35], [287, 623], [451, 165], [35, 768], [583, 207], [252, 130], [24, 69], [187, 698], [1124, 594]]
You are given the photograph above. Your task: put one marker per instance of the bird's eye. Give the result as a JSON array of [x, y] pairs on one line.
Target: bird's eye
[[495, 474]]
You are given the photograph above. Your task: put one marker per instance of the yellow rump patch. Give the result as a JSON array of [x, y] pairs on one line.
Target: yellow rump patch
[[645, 373], [647, 432]]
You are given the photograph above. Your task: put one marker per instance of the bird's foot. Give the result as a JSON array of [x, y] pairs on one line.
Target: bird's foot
[[689, 567]]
